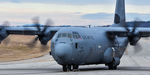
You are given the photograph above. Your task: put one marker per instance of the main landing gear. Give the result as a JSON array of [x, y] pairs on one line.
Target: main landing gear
[[112, 66], [67, 68]]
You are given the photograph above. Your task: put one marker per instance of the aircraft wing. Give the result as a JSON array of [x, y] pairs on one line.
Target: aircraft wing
[[44, 37], [44, 33], [29, 30], [134, 35], [122, 32], [32, 30]]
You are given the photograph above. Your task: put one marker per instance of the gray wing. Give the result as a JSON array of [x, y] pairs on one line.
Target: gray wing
[[44, 33], [22, 30], [121, 32], [133, 37], [19, 30]]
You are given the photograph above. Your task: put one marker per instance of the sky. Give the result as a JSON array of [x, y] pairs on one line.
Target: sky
[[70, 12]]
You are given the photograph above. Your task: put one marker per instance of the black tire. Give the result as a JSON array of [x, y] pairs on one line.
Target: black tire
[[115, 67], [64, 68], [69, 67], [76, 67], [112, 67]]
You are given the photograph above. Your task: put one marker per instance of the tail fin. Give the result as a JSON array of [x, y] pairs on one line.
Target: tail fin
[[119, 19]]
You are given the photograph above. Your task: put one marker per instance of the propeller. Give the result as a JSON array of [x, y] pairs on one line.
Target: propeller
[[34, 41], [7, 40], [137, 48], [42, 33], [134, 37]]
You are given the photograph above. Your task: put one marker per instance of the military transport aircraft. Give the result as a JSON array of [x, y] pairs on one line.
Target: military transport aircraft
[[74, 46]]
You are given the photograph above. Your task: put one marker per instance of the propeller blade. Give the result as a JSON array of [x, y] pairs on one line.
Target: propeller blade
[[44, 48], [146, 38], [126, 27], [7, 40], [137, 48], [6, 23], [35, 20], [136, 24], [49, 22], [36, 23], [33, 42]]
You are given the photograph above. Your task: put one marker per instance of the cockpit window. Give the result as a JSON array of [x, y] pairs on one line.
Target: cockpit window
[[64, 34], [76, 35], [70, 35], [61, 35]]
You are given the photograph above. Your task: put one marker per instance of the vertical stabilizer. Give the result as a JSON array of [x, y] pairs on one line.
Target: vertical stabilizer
[[119, 19]]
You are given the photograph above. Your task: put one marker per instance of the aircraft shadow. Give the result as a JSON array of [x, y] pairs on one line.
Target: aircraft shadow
[[44, 70], [54, 70], [126, 68]]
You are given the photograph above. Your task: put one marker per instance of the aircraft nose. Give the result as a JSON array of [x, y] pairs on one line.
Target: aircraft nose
[[63, 50]]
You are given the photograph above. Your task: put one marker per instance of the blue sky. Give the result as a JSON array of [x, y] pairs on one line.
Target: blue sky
[[72, 12], [78, 2]]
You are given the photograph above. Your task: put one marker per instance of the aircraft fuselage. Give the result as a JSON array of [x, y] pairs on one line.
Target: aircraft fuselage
[[82, 46]]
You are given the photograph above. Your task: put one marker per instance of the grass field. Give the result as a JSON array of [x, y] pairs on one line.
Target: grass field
[[16, 49]]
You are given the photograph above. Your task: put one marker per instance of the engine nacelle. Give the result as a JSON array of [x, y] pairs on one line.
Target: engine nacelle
[[134, 38], [3, 34], [134, 41], [45, 38]]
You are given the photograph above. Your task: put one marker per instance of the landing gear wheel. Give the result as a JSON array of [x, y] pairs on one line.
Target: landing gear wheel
[[75, 67], [69, 67], [111, 66], [66, 68]]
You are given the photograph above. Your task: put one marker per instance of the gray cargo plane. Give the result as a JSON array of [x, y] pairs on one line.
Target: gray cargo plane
[[74, 46]]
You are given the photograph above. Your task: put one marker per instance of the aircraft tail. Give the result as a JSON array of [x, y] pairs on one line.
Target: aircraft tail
[[119, 19]]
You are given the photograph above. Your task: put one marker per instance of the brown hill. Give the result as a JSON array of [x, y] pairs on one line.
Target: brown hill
[[14, 48]]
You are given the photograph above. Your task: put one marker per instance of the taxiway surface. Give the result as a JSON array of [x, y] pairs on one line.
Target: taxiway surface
[[130, 65]]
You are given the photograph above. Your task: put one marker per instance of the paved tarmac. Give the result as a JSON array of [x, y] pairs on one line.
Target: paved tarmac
[[130, 65]]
